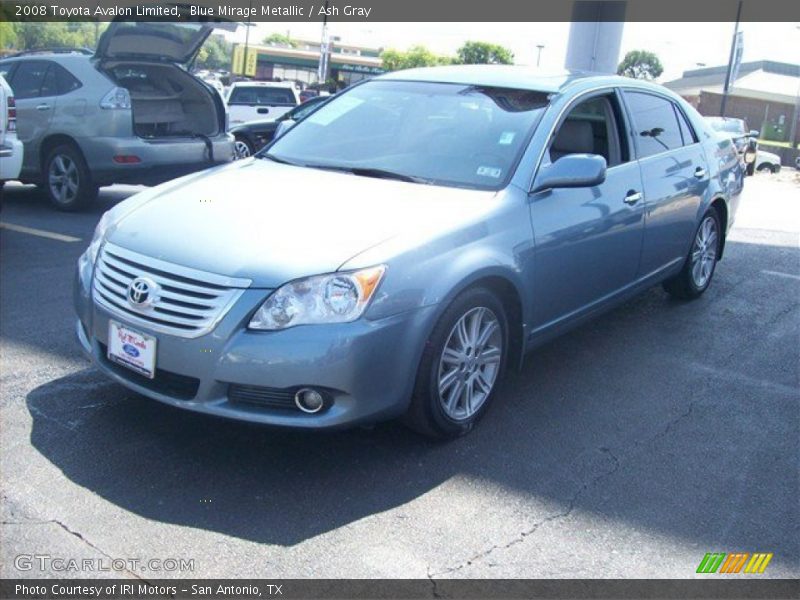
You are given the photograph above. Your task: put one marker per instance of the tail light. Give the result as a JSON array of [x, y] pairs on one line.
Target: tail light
[[11, 117]]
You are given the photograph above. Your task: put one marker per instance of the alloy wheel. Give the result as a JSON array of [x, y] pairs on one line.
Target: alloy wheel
[[241, 149], [470, 363], [63, 179], [704, 252]]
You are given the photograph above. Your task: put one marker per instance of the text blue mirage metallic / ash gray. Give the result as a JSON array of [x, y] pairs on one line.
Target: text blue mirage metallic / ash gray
[[392, 253]]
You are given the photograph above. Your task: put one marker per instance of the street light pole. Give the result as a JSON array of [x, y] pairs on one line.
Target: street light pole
[[539, 54], [728, 73]]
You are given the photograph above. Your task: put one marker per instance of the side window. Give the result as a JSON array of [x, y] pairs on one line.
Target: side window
[[28, 79], [654, 123], [687, 133], [49, 85], [591, 127], [7, 70]]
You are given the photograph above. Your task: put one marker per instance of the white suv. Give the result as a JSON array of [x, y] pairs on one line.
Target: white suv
[[10, 146], [260, 100]]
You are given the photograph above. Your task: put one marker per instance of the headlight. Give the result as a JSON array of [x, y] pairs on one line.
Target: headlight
[[88, 258], [334, 298]]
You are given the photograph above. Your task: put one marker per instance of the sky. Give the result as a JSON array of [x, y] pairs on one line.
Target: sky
[[680, 46]]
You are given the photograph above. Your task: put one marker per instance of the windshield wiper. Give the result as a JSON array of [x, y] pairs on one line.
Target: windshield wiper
[[373, 172], [278, 159]]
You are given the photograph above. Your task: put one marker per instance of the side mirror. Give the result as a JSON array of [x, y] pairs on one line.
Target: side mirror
[[284, 126], [754, 133], [572, 171]]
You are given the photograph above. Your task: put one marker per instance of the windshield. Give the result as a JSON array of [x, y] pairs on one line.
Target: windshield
[[447, 134], [727, 125]]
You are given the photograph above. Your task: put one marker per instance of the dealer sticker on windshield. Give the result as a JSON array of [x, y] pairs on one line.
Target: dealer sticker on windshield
[[489, 172], [132, 349]]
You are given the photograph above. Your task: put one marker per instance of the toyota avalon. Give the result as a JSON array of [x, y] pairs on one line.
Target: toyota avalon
[[392, 254]]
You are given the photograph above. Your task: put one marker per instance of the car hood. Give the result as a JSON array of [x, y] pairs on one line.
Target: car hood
[[272, 223]]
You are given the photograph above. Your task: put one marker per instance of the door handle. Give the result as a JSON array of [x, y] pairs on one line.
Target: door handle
[[43, 107], [633, 197], [699, 172]]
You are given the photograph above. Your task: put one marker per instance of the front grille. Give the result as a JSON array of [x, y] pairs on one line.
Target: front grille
[[262, 396], [184, 302], [168, 383]]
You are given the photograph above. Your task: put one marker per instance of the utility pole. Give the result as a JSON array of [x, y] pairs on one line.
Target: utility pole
[[539, 54], [731, 59], [324, 49]]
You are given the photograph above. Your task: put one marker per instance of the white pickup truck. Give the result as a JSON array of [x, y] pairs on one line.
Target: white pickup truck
[[260, 100], [10, 146]]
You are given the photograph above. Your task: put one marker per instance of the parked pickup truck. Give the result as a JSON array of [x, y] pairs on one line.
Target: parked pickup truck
[[259, 100]]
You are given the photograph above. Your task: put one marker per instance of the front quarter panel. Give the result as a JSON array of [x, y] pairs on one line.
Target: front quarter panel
[[432, 270]]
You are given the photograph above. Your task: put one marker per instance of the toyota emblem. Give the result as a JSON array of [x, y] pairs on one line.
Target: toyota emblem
[[141, 292]]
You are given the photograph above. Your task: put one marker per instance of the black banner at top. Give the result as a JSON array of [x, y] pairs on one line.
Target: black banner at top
[[402, 10]]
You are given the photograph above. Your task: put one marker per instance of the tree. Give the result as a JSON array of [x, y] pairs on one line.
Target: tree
[[30, 36], [8, 35], [416, 56], [640, 64], [279, 39], [484, 53], [215, 54]]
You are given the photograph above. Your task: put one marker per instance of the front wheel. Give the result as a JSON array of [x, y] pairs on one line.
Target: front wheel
[[695, 277], [461, 366], [242, 148]]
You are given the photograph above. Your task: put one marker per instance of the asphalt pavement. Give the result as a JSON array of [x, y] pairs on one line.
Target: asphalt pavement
[[628, 448]]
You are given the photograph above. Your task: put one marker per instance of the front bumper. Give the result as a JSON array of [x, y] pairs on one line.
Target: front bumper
[[160, 159], [367, 368]]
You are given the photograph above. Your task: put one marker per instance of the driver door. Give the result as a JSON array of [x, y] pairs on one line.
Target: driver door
[[588, 240]]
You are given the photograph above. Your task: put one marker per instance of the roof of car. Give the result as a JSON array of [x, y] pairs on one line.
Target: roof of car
[[282, 84], [506, 76]]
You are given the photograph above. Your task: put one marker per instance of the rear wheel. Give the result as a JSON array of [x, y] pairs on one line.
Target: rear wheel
[[698, 270], [461, 367], [67, 180]]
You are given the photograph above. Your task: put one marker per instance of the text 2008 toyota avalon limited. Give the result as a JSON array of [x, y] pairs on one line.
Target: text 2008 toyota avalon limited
[[395, 251]]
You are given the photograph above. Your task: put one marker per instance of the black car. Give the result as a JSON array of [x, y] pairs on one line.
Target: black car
[[252, 136]]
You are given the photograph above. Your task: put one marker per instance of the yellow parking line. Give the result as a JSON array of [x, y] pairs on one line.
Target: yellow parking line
[[40, 232]]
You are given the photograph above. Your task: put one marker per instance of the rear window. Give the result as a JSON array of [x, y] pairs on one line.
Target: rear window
[[262, 96]]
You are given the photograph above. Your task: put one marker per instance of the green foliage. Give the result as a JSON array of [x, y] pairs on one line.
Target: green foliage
[[215, 54], [30, 36], [279, 39], [416, 56], [640, 64], [484, 53], [8, 35]]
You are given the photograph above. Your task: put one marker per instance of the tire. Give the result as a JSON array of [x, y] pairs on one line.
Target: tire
[[763, 168], [695, 278], [775, 169], [440, 406], [242, 148], [66, 179]]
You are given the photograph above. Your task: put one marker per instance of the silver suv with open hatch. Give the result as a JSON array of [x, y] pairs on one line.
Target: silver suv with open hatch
[[129, 113]]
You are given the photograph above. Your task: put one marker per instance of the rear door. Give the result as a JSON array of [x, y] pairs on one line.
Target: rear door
[[35, 91], [675, 177]]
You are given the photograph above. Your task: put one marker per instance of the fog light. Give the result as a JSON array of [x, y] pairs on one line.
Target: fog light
[[309, 401]]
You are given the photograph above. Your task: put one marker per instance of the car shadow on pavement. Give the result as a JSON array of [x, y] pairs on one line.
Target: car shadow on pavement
[[642, 417]]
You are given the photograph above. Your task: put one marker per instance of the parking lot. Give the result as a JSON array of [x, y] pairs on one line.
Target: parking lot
[[628, 448]]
